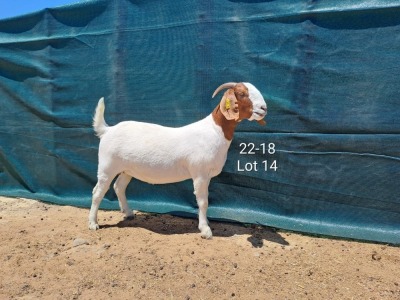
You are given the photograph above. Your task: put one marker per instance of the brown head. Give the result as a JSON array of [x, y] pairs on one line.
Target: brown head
[[240, 101]]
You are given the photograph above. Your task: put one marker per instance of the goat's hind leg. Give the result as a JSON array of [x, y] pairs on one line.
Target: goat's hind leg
[[120, 187]]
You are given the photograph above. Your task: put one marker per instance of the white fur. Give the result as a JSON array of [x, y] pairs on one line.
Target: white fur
[[159, 155], [259, 105]]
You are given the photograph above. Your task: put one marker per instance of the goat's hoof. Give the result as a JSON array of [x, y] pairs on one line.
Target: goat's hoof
[[129, 217], [93, 226], [206, 233]]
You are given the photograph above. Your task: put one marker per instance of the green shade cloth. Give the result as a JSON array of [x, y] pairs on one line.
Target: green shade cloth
[[329, 71]]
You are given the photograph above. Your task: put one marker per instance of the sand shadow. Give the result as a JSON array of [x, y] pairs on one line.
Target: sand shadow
[[168, 224]]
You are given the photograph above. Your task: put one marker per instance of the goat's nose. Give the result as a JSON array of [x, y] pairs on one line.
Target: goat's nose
[[264, 108]]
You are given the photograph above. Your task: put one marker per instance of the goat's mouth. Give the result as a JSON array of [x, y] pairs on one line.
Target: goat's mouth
[[260, 112], [262, 115], [259, 115]]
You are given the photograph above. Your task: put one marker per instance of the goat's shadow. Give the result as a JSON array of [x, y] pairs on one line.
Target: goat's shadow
[[167, 224]]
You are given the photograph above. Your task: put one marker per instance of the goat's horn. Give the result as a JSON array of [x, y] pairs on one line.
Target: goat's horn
[[227, 85]]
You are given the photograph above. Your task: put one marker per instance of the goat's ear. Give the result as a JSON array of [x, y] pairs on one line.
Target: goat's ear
[[229, 105]]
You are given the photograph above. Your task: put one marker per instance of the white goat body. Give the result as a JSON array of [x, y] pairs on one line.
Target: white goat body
[[159, 155]]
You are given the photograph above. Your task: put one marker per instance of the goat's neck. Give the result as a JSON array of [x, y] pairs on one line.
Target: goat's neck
[[228, 126]]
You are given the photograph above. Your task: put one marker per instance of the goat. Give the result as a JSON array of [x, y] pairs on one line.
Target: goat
[[159, 155]]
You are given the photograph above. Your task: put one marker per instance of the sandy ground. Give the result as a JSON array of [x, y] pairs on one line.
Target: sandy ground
[[47, 252]]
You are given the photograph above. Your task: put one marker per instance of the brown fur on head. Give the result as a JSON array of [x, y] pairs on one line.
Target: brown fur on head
[[236, 105], [245, 106], [229, 105]]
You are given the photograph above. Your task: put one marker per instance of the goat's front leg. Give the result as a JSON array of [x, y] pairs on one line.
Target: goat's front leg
[[201, 192]]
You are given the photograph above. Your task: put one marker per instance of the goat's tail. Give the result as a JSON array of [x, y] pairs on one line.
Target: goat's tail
[[99, 124]]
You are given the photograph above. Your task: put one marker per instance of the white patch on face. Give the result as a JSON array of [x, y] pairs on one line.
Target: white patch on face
[[259, 105]]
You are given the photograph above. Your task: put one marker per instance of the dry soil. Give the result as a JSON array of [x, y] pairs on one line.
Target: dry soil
[[47, 252]]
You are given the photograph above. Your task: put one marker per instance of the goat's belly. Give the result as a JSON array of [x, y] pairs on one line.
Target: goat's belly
[[156, 175]]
